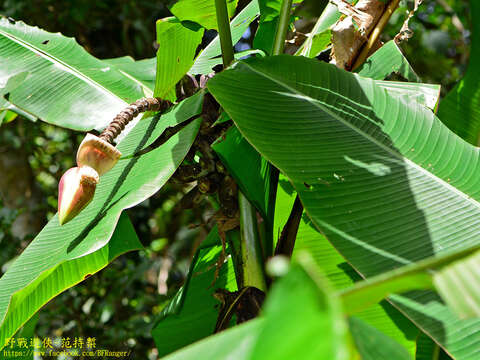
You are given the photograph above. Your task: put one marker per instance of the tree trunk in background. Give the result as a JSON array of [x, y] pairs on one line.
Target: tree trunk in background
[[17, 191], [350, 33]]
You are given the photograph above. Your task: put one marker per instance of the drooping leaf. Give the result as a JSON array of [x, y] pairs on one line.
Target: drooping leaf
[[385, 61], [45, 269], [64, 85], [141, 71], [211, 55], [356, 155], [200, 11], [460, 109], [177, 44], [192, 314], [132, 180]]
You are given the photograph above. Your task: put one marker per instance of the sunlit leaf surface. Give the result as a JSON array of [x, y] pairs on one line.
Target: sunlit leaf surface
[[61, 83], [384, 180], [59, 256]]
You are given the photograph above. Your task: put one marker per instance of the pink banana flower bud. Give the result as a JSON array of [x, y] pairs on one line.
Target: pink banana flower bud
[[97, 153], [75, 191]]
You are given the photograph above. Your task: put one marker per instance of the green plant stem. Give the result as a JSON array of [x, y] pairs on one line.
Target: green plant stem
[[250, 258], [224, 32], [282, 27], [250, 248]]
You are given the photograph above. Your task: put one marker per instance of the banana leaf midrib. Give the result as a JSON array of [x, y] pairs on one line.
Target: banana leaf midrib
[[323, 107], [55, 60]]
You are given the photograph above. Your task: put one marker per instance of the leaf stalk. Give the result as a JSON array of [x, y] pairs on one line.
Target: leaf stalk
[[250, 248], [224, 32], [282, 27]]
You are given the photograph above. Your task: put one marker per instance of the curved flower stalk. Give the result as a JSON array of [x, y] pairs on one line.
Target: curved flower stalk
[[96, 155]]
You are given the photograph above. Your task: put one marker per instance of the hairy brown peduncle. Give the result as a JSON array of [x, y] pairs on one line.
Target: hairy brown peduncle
[[129, 113]]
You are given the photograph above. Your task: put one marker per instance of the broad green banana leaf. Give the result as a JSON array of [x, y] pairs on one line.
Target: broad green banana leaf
[[45, 269], [62, 84], [141, 71], [58, 257], [389, 59], [384, 180], [460, 109], [177, 45], [424, 94], [383, 316]]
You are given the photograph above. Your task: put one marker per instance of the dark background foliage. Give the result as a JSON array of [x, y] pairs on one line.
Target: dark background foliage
[[118, 306]]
